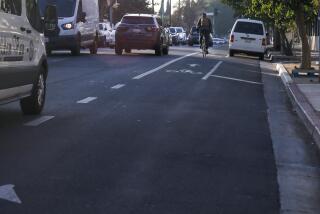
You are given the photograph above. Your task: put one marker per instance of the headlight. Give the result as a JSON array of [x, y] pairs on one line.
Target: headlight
[[67, 26]]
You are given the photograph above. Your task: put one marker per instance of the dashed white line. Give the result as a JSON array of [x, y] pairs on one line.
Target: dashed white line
[[87, 100], [235, 79], [118, 86], [162, 66], [39, 121], [212, 71]]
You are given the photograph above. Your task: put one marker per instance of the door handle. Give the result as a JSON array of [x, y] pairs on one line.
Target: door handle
[[29, 31], [23, 29]]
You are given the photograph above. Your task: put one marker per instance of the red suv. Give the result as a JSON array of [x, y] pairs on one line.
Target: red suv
[[142, 31]]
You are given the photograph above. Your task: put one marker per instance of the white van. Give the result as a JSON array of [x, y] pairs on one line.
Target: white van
[[78, 23], [249, 37], [23, 61]]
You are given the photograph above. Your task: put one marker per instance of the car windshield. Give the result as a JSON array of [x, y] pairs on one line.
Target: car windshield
[[137, 20], [179, 30], [65, 8], [249, 28]]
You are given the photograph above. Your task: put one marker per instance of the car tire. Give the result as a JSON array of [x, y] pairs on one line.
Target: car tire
[[261, 57], [166, 50], [159, 50], [128, 50], [118, 50], [94, 47], [34, 104], [231, 53], [77, 49]]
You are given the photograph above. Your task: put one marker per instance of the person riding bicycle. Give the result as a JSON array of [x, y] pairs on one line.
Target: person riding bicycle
[[205, 28]]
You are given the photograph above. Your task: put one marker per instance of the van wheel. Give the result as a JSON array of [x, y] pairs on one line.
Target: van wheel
[[261, 57], [94, 47], [76, 50], [34, 104], [48, 51]]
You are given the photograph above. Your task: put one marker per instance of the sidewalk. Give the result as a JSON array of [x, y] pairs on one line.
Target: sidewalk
[[305, 96]]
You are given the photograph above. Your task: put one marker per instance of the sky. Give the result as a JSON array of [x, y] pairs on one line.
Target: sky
[[157, 8]]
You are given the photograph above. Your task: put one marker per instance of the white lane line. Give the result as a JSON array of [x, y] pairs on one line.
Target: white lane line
[[39, 121], [87, 100], [162, 66], [235, 79], [118, 86], [212, 71], [7, 193]]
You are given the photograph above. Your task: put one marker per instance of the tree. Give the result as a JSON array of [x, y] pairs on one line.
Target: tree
[[132, 6]]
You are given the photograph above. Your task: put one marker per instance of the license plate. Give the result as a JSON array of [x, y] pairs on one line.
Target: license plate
[[136, 30]]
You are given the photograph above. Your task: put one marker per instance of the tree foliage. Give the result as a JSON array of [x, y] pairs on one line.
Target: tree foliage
[[131, 6]]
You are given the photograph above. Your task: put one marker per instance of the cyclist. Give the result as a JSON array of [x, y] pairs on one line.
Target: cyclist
[[205, 28]]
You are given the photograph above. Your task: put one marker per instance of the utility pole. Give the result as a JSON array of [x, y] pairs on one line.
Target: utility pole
[[170, 15], [153, 7]]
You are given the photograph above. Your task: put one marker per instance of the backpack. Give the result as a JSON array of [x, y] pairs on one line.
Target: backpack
[[205, 23]]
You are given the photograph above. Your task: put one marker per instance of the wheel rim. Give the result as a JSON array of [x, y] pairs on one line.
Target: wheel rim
[[40, 89]]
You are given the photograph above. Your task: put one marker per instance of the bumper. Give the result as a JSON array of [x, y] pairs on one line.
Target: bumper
[[62, 42], [140, 44], [251, 53]]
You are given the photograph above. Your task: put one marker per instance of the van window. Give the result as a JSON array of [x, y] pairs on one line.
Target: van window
[[33, 14], [65, 8], [137, 20], [11, 7], [249, 28]]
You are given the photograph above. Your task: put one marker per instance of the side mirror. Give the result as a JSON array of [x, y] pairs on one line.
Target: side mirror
[[83, 17], [51, 21]]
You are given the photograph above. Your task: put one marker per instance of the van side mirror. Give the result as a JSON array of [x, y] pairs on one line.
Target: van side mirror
[[51, 21], [83, 17]]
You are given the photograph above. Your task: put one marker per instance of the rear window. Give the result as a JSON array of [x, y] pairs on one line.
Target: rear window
[[249, 28], [137, 20], [172, 30]]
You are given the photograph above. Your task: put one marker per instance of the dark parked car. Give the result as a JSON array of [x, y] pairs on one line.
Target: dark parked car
[[194, 37], [141, 31]]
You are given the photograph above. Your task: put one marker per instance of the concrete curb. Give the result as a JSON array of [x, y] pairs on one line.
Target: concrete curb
[[304, 109]]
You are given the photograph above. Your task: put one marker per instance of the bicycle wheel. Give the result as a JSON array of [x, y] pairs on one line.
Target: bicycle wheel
[[204, 48]]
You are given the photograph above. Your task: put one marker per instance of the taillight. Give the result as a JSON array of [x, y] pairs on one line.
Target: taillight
[[122, 29], [232, 38], [264, 42], [152, 29]]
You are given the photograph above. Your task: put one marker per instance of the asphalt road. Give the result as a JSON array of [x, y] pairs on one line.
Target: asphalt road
[[119, 134]]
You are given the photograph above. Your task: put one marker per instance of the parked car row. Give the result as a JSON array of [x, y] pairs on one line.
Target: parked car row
[[178, 36]]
